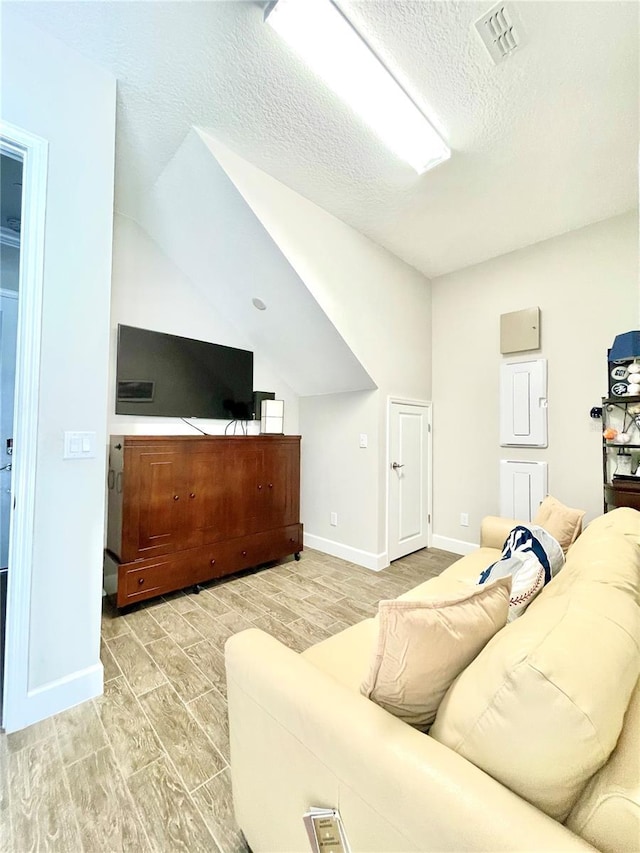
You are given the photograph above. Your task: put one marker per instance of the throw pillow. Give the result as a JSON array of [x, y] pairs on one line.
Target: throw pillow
[[562, 522], [531, 556], [422, 646]]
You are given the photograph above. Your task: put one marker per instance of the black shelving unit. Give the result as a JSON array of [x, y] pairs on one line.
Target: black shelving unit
[[624, 490]]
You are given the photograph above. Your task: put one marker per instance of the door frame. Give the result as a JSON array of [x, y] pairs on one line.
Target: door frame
[[428, 480], [34, 153]]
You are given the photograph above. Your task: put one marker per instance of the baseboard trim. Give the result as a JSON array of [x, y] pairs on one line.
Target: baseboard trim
[[375, 562], [456, 546], [56, 696]]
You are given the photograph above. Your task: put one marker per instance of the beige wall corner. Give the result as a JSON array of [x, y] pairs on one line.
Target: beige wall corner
[[586, 284]]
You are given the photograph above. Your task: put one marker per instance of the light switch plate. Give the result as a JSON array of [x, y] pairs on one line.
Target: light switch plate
[[79, 445]]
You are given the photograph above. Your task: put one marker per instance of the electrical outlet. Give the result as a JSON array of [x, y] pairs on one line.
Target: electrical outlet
[[333, 519], [464, 519]]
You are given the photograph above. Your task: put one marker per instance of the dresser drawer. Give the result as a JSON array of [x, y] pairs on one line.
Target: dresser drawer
[[144, 579], [274, 544], [147, 578], [247, 551]]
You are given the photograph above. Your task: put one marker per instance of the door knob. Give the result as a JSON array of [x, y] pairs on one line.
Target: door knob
[[395, 466]]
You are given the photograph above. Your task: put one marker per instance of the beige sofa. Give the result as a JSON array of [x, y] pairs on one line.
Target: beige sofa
[[526, 732]]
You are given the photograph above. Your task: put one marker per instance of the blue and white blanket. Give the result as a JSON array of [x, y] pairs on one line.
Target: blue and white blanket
[[532, 557]]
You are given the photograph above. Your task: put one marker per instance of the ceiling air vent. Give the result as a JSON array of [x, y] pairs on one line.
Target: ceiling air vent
[[500, 32]]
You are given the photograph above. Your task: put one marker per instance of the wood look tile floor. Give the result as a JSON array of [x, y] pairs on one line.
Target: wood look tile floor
[[145, 767]]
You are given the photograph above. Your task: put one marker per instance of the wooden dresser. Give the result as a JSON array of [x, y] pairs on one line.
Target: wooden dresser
[[183, 510]]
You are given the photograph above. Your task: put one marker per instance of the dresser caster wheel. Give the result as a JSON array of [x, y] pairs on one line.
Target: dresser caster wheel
[[196, 589], [297, 556]]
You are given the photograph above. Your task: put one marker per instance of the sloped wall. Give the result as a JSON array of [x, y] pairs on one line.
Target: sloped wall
[[202, 223], [149, 291], [382, 308]]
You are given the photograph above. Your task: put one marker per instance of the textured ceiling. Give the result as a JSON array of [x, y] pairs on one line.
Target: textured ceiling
[[543, 143]]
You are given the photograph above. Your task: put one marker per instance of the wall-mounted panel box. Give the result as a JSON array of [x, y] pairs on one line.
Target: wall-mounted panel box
[[523, 487], [520, 330], [523, 403]]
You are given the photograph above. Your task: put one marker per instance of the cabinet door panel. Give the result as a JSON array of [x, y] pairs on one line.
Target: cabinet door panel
[[244, 489], [155, 497], [281, 475], [207, 499]]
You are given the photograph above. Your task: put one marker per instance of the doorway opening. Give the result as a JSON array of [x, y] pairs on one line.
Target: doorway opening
[[11, 166]]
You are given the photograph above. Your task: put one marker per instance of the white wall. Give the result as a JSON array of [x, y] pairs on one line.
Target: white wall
[[340, 477], [586, 285], [54, 93], [382, 309], [149, 291]]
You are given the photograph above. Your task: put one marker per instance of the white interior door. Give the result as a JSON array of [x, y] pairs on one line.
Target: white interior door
[[409, 477]]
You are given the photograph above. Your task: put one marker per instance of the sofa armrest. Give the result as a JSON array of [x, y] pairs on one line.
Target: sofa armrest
[[300, 739], [494, 530]]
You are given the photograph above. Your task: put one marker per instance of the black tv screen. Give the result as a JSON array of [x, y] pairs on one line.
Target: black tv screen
[[169, 376]]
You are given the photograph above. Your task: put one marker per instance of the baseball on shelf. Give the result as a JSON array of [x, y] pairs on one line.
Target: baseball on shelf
[[623, 438], [633, 389]]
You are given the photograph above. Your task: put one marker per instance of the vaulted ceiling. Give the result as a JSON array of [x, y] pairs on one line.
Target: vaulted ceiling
[[543, 143]]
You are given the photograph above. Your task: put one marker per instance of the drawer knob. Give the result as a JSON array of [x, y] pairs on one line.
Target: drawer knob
[[176, 497], [192, 495], [270, 485], [244, 553], [140, 581], [292, 539], [259, 487], [212, 562]]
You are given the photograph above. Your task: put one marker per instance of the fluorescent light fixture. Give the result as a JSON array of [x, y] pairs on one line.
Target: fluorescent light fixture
[[323, 37]]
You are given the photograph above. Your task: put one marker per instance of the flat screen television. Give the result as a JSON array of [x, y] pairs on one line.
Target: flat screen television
[[170, 376]]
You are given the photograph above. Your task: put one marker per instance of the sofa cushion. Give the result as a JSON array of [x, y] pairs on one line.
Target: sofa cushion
[[562, 522], [541, 707], [423, 645], [598, 557], [466, 568], [608, 811], [346, 655], [531, 557], [623, 520]]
